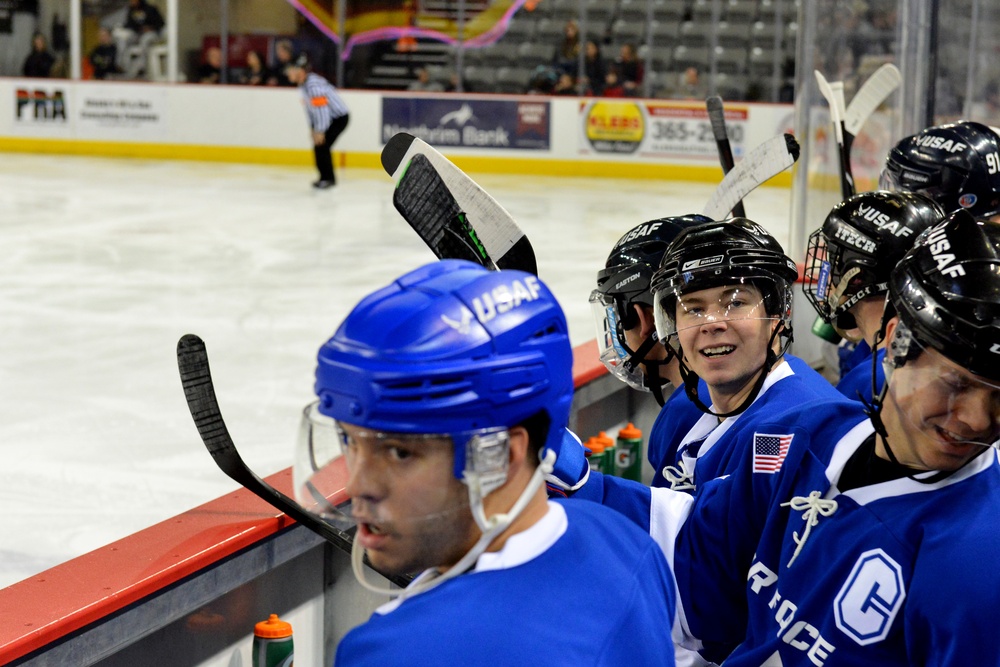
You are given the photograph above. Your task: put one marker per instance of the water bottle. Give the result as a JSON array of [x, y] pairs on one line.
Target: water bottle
[[596, 455], [272, 643], [628, 453], [609, 453], [825, 331]]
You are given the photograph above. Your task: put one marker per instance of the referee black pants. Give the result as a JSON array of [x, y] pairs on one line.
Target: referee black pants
[[324, 160]]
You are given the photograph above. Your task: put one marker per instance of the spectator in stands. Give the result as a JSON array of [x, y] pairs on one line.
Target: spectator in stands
[[284, 54], [568, 54], [104, 56], [612, 84], [256, 72], [424, 82], [543, 81], [691, 86], [210, 71], [630, 70], [39, 62], [143, 24], [594, 69], [565, 85]]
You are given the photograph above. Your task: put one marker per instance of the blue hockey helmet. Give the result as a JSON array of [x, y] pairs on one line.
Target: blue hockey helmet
[[450, 348], [957, 165]]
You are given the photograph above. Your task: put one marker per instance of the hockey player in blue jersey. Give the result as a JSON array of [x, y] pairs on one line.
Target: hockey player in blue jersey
[[865, 536], [626, 335], [723, 301], [848, 261], [627, 342], [956, 164], [443, 400]]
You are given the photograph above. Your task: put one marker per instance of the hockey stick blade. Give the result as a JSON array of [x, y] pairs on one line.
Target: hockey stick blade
[[882, 83], [717, 118], [199, 392], [759, 165], [500, 235], [834, 94], [427, 205]]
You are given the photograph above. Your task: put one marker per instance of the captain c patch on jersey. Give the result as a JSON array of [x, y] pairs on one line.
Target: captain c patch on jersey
[[769, 451]]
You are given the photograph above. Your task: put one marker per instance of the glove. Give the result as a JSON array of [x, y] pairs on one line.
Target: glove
[[571, 469]]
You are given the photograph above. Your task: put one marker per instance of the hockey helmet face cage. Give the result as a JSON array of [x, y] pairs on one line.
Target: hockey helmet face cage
[[850, 257], [738, 254], [623, 283], [450, 350], [937, 402], [957, 165]]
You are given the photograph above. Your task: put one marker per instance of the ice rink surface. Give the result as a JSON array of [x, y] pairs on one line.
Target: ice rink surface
[[107, 262]]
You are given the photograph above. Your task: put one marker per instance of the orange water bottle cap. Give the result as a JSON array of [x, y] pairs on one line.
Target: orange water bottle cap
[[273, 628], [595, 445], [606, 439], [630, 432]]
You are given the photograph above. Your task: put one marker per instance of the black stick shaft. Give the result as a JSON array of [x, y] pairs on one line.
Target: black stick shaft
[[717, 117]]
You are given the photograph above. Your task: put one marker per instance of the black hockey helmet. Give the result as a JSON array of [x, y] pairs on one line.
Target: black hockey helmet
[[624, 281], [721, 253], [946, 292], [860, 242], [716, 254], [634, 259], [957, 165]]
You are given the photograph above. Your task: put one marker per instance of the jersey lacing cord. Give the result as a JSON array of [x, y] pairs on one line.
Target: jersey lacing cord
[[814, 506], [680, 477]]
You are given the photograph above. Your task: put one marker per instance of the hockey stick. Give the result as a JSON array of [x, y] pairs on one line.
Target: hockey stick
[[834, 94], [199, 391], [869, 97], [717, 117], [848, 122], [500, 235], [425, 202], [762, 163]]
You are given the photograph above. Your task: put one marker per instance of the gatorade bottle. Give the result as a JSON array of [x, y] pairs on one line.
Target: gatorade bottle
[[628, 456], [272, 643], [825, 331], [596, 455], [609, 453]]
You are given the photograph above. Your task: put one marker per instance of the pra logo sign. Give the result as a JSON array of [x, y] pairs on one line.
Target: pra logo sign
[[40, 105]]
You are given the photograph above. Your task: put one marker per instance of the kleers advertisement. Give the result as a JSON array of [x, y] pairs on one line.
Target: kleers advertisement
[[648, 128], [444, 122]]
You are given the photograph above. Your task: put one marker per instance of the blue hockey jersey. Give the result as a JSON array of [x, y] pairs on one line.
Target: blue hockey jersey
[[777, 558], [580, 587], [705, 451], [857, 383]]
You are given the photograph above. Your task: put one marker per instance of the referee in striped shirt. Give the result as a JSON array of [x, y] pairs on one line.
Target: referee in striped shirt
[[327, 115]]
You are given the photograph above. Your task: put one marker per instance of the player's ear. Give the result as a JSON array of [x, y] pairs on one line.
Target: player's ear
[[518, 446], [647, 323]]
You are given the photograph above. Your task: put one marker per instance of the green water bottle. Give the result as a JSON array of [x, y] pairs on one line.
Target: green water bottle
[[609, 453], [628, 453], [272, 643], [596, 455], [825, 330]]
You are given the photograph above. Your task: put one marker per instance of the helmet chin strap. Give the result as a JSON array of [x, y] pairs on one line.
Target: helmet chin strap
[[491, 527], [691, 378], [652, 378]]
